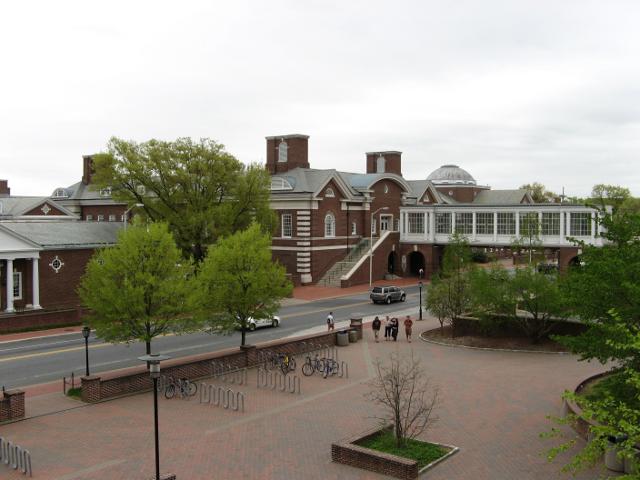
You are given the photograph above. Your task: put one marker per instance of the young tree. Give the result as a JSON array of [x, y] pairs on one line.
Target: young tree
[[238, 280], [456, 266], [529, 239], [407, 396], [539, 193], [492, 297], [138, 289], [437, 301], [198, 188], [539, 295]]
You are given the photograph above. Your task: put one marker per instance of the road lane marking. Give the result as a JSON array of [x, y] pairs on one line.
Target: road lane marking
[[52, 352]]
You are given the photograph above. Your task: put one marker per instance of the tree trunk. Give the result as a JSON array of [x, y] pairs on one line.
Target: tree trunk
[[244, 330]]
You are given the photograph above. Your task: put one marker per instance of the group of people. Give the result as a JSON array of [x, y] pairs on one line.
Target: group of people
[[391, 326]]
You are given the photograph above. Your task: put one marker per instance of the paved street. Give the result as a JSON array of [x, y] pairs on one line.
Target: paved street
[[493, 407], [46, 359]]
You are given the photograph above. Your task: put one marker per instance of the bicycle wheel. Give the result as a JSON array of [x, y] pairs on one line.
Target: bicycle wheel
[[307, 369], [170, 391]]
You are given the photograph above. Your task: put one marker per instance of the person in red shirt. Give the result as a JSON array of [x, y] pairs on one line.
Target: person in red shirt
[[408, 323]]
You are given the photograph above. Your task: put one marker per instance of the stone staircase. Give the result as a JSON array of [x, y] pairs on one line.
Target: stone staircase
[[332, 277]]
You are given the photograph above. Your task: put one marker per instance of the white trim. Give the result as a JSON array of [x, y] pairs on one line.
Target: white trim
[[365, 257], [311, 249], [303, 243]]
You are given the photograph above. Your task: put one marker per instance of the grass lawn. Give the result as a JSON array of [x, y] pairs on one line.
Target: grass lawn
[[611, 386], [75, 392], [423, 452]]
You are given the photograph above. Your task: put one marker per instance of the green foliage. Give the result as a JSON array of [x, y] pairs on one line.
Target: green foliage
[[437, 300], [422, 452], [238, 280], [612, 195], [539, 193], [198, 188], [137, 289], [492, 298]]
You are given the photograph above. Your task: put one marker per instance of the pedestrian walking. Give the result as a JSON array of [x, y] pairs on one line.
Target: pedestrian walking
[[387, 329], [330, 322], [376, 328], [394, 328], [421, 273], [408, 324]]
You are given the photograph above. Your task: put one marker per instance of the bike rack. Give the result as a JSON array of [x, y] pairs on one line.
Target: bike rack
[[343, 369], [228, 374], [15, 457], [221, 397], [164, 382], [277, 381], [65, 383]]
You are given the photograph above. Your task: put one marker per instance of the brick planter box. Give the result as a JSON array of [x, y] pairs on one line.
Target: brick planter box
[[349, 453], [12, 405]]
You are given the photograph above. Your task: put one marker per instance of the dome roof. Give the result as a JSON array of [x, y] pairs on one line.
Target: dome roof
[[451, 175]]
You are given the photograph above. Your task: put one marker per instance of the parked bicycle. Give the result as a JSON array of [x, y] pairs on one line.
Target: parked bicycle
[[283, 361], [312, 365], [330, 367], [182, 387]]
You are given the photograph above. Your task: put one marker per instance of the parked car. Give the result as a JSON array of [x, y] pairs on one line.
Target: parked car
[[387, 295], [252, 323]]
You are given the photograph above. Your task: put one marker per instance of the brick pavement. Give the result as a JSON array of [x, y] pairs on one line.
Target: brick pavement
[[494, 407]]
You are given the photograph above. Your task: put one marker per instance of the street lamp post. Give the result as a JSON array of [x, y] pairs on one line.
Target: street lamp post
[[86, 331], [371, 244], [420, 300], [126, 212], [153, 360]]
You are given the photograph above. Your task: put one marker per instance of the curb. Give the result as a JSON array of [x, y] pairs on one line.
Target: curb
[[469, 347]]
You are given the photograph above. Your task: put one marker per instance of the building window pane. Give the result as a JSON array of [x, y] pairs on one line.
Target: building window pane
[[581, 224], [101, 218], [529, 224], [464, 223], [282, 151], [287, 225], [506, 223], [484, 223], [443, 223], [416, 222], [329, 225], [550, 223], [373, 227], [354, 228], [89, 218], [17, 285]]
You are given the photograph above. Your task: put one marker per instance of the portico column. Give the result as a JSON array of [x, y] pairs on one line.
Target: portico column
[[473, 225], [9, 308], [35, 283]]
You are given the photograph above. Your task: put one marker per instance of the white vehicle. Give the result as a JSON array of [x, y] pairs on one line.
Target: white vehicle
[[252, 323]]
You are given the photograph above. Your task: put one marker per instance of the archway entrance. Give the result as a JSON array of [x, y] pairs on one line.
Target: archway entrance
[[575, 262], [416, 263], [392, 263]]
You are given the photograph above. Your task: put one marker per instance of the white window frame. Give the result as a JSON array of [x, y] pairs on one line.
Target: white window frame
[[329, 192], [17, 285], [100, 218], [112, 217], [464, 223], [89, 218], [506, 223], [415, 223], [443, 223], [329, 225], [354, 228], [286, 223], [550, 224], [283, 152], [373, 227], [580, 224], [484, 223], [380, 164]]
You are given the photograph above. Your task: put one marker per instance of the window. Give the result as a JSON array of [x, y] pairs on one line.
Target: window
[[329, 192], [443, 223], [279, 183], [416, 222], [56, 264], [386, 188], [529, 224], [506, 223], [17, 285], [287, 224], [464, 223], [354, 228], [550, 223], [380, 164], [373, 227], [105, 192], [581, 224], [329, 225], [101, 218], [89, 218], [282, 152], [112, 218], [60, 193], [484, 223]]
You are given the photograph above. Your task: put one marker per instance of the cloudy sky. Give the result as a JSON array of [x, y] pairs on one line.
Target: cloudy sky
[[512, 91]]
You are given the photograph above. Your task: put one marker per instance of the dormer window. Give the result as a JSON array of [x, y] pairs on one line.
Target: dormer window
[[380, 163], [279, 183], [282, 152], [105, 192], [60, 193], [329, 192]]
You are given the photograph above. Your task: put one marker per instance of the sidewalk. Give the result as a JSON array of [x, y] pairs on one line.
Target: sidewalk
[[493, 406]]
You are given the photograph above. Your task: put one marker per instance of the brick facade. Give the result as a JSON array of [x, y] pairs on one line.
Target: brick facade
[[12, 405], [105, 210]]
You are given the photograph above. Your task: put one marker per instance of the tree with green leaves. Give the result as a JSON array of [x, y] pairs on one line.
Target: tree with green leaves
[[436, 301], [609, 195], [529, 240], [540, 194], [492, 297], [197, 187], [238, 280], [138, 289]]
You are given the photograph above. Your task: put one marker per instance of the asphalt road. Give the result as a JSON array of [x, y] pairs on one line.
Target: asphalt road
[[46, 359]]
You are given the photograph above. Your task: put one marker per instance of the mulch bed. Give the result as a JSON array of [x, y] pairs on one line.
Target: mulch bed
[[507, 343]]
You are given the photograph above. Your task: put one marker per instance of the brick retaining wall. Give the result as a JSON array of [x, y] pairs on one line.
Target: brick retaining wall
[[137, 379], [12, 405]]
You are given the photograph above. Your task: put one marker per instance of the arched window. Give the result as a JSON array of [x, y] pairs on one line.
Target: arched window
[[329, 192], [380, 164], [282, 151], [329, 225]]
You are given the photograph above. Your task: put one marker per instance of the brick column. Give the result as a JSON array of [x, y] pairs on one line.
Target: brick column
[[90, 389], [15, 403], [250, 355]]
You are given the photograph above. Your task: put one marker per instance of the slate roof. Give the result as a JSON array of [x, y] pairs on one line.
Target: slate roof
[[54, 235], [500, 197], [17, 206]]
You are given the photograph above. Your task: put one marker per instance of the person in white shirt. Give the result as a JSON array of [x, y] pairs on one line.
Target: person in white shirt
[[330, 321]]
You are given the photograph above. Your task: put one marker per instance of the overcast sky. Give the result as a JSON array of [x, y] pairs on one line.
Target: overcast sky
[[512, 91]]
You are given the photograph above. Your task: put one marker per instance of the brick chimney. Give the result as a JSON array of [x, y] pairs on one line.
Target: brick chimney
[[286, 152], [5, 191], [384, 162], [87, 169]]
